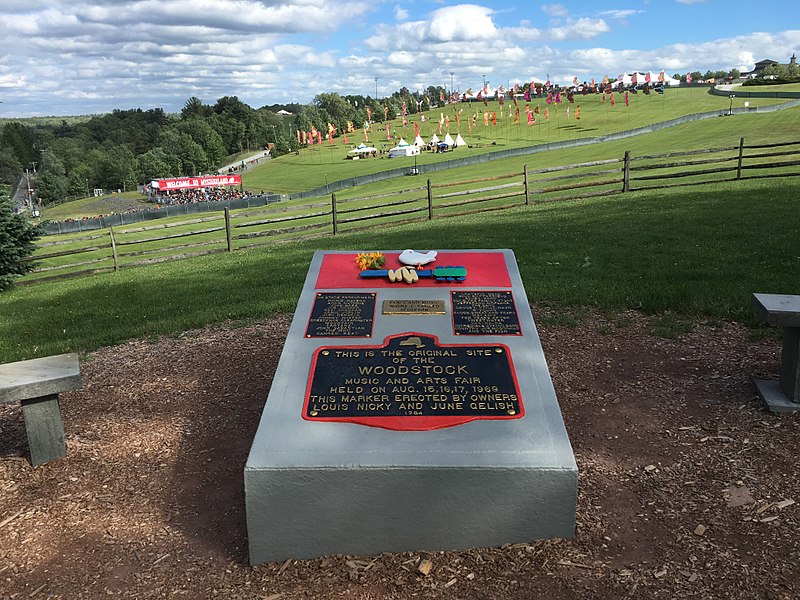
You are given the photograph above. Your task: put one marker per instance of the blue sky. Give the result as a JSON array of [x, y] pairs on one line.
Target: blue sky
[[62, 57]]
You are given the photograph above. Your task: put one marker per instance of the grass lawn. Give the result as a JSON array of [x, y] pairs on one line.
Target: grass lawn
[[698, 252], [316, 165], [95, 206]]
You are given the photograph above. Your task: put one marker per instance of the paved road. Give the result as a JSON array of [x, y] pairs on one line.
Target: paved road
[[261, 154]]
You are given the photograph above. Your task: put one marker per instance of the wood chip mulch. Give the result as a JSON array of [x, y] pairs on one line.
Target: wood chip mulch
[[688, 488]]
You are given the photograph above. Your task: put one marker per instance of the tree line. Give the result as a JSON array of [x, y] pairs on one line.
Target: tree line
[[124, 148]]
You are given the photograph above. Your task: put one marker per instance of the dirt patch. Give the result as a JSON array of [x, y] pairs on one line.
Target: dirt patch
[[685, 482]]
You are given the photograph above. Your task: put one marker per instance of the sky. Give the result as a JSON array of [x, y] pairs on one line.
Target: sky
[[77, 57]]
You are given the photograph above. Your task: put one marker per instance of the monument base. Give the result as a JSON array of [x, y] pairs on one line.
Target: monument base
[[306, 513], [409, 418]]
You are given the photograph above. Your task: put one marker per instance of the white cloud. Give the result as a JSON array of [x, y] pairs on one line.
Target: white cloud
[[555, 10], [620, 14], [584, 29], [401, 14]]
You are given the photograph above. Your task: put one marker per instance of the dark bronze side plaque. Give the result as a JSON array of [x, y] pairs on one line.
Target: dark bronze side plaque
[[412, 383], [485, 313], [341, 315]]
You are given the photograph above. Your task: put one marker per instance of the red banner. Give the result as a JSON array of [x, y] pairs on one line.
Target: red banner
[[185, 183]]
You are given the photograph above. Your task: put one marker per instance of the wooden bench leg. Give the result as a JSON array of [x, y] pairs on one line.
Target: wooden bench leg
[[44, 428], [790, 364]]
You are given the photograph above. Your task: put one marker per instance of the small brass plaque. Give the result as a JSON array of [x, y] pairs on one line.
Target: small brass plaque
[[413, 307]]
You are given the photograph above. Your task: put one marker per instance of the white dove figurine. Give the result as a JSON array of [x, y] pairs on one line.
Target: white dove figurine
[[412, 257]]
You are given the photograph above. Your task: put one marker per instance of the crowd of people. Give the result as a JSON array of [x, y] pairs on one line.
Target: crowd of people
[[188, 196]]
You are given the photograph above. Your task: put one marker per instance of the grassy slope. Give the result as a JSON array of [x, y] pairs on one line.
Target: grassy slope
[[92, 207], [317, 164], [698, 252]]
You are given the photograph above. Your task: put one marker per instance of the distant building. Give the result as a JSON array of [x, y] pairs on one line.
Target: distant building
[[763, 64], [284, 113]]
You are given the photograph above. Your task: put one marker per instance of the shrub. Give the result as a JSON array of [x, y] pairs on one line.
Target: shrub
[[16, 244]]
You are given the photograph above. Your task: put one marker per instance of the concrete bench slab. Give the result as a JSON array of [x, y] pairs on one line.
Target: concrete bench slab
[[782, 310], [36, 384]]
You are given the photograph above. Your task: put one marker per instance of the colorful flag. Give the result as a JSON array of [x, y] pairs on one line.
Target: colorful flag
[[575, 81], [366, 137], [647, 77], [344, 136], [557, 99], [578, 112], [528, 95], [536, 110], [546, 114], [626, 99], [661, 76], [549, 98], [613, 102], [319, 137], [531, 118], [403, 109], [634, 78], [297, 131], [494, 118], [369, 114], [516, 116], [388, 135], [416, 129], [688, 79], [486, 119], [330, 138]]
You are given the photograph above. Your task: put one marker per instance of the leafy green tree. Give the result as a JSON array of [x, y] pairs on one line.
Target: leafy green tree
[[118, 170], [194, 108], [20, 140], [77, 185], [17, 236], [10, 167], [155, 164], [182, 147], [207, 138], [51, 184]]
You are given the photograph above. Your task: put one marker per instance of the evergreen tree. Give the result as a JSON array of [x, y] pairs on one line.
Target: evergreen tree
[[16, 244]]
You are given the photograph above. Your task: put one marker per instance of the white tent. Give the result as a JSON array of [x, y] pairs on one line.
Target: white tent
[[459, 141], [362, 150], [403, 149], [448, 139], [671, 80], [434, 139], [419, 141]]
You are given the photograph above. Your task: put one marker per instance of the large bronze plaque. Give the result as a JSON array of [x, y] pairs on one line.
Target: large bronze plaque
[[341, 315], [412, 383], [484, 313]]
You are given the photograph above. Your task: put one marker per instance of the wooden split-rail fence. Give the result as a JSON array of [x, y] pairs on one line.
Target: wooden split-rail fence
[[74, 255]]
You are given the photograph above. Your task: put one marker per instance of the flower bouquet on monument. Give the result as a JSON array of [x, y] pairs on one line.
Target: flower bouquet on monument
[[370, 260]]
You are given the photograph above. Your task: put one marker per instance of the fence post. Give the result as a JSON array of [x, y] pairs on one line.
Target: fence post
[[739, 164], [113, 249], [430, 201], [333, 213], [626, 171], [228, 237], [525, 181]]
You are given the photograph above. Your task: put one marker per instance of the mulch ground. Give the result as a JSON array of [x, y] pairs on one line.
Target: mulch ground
[[687, 486]]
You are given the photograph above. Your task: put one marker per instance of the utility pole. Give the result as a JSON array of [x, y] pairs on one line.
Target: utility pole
[[451, 83], [376, 88]]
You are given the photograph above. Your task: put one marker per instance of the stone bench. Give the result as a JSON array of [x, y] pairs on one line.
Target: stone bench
[[36, 384], [784, 310]]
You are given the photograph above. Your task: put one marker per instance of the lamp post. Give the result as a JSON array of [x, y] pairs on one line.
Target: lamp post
[[376, 88], [451, 83], [730, 109]]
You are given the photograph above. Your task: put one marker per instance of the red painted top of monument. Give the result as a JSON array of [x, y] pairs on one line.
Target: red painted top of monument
[[484, 269]]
